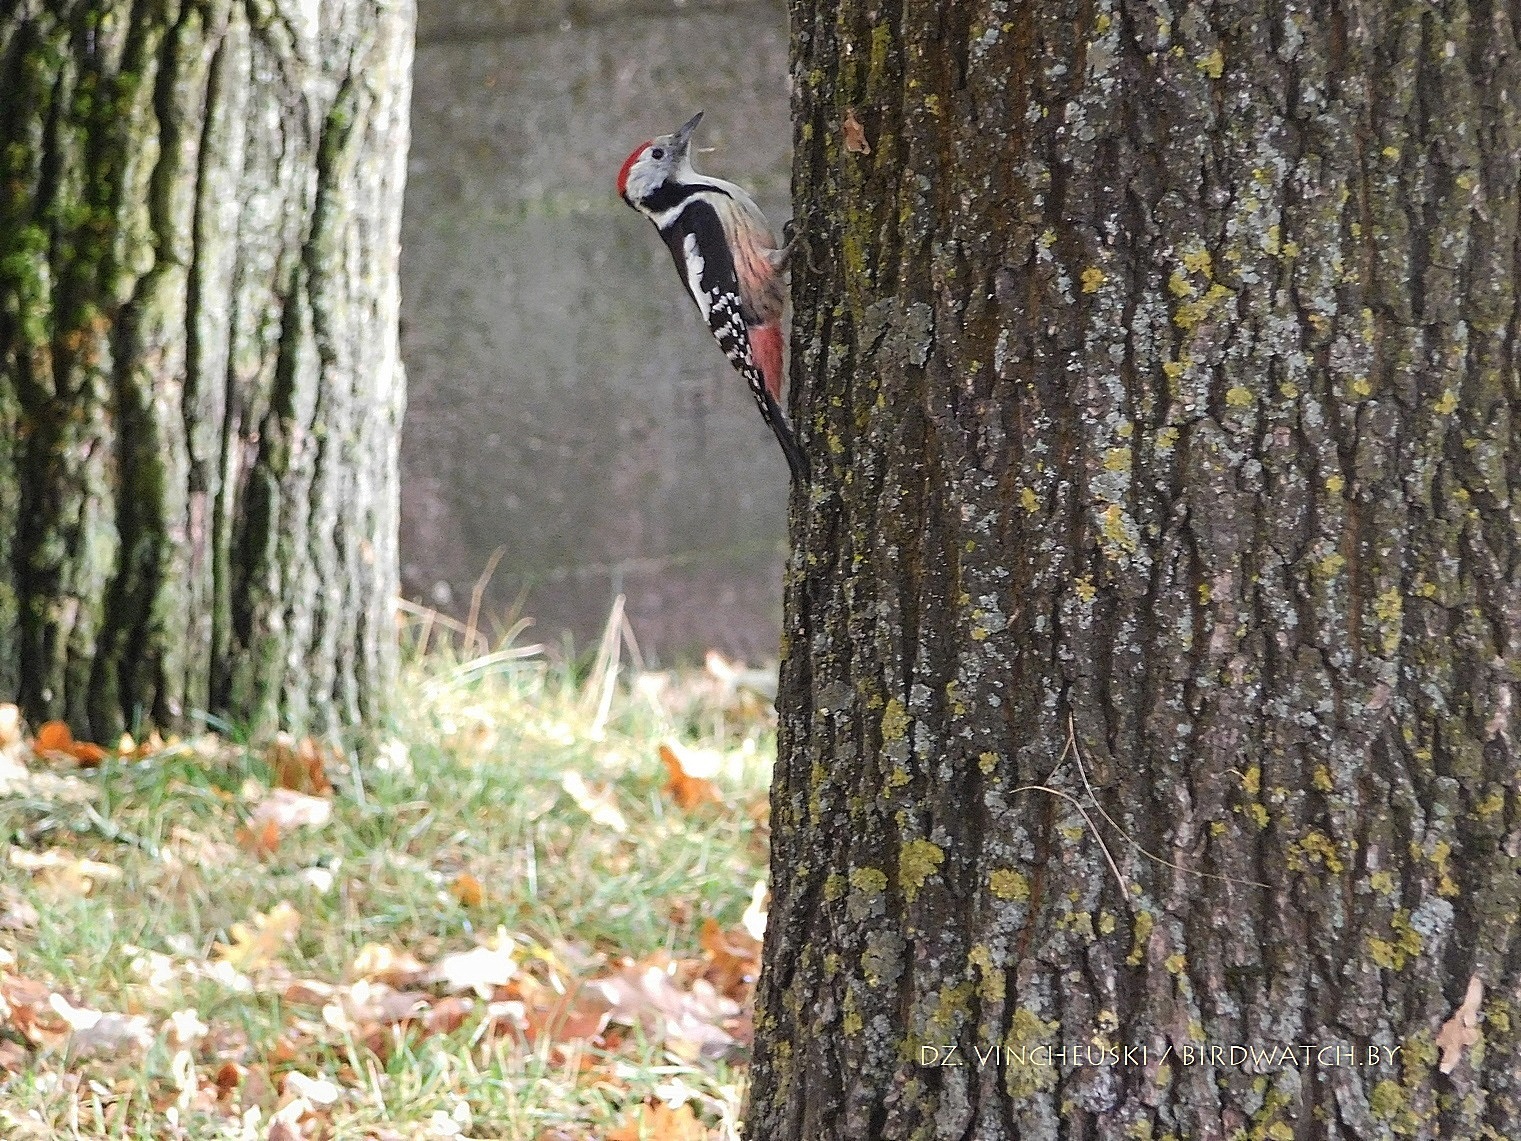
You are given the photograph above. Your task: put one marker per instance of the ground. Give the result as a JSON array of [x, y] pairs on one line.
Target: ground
[[531, 914]]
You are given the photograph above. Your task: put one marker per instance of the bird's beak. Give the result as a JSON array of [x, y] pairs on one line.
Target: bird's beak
[[684, 133]]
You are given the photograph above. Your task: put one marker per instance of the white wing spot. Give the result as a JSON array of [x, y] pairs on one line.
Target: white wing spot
[[695, 266]]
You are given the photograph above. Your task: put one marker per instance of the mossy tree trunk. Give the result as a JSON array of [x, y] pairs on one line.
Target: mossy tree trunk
[[200, 392], [1160, 370]]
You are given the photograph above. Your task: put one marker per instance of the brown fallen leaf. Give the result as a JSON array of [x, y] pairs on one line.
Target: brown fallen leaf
[[447, 1015], [733, 959], [1461, 1030], [300, 766], [855, 134], [659, 1122], [99, 1032], [690, 773], [261, 840]]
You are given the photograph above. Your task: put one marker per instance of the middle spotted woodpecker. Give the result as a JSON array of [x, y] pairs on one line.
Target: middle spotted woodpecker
[[728, 261]]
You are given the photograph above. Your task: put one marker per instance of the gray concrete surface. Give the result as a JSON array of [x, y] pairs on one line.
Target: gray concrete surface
[[566, 402]]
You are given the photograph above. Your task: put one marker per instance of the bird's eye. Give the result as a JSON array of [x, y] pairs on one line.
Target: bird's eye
[[658, 153]]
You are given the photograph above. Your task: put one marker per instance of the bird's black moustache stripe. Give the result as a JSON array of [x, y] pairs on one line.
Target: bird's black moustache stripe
[[671, 194]]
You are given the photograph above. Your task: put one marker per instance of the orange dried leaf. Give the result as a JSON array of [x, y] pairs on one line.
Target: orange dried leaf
[[298, 765], [688, 771], [260, 838], [659, 1122], [468, 890], [53, 737]]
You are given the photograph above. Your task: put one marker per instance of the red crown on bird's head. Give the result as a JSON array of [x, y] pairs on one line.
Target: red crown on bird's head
[[628, 164]]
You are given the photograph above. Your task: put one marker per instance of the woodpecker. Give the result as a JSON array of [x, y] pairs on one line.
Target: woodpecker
[[728, 260]]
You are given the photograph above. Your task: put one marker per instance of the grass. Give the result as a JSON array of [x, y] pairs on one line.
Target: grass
[[469, 829]]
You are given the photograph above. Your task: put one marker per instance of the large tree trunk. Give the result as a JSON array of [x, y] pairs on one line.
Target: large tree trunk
[[1160, 370], [200, 392]]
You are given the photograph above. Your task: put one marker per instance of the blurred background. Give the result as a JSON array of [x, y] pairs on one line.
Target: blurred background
[[566, 405]]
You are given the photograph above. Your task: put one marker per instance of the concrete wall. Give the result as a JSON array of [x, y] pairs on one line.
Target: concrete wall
[[567, 403]]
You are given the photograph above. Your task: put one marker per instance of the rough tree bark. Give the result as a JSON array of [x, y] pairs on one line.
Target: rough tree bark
[[200, 392], [1160, 369]]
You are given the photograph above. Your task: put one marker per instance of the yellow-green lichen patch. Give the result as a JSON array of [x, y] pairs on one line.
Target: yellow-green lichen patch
[[1404, 944], [986, 762], [1027, 1064], [1212, 65], [1142, 932], [894, 721], [871, 881], [919, 860], [1389, 608], [1029, 500], [1007, 884], [990, 986], [1315, 848], [1092, 278]]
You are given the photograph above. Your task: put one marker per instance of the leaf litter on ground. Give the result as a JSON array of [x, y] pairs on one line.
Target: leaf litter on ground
[[257, 1012]]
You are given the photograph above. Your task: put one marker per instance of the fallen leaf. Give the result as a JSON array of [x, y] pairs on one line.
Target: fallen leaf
[[1462, 1029], [289, 810], [16, 914], [468, 890], [55, 738], [855, 134], [257, 944], [480, 969], [659, 1122], [447, 1015], [99, 1032], [754, 918], [299, 766], [261, 841], [690, 772], [319, 1091], [380, 963], [10, 725], [63, 873], [598, 805], [733, 959], [647, 995]]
